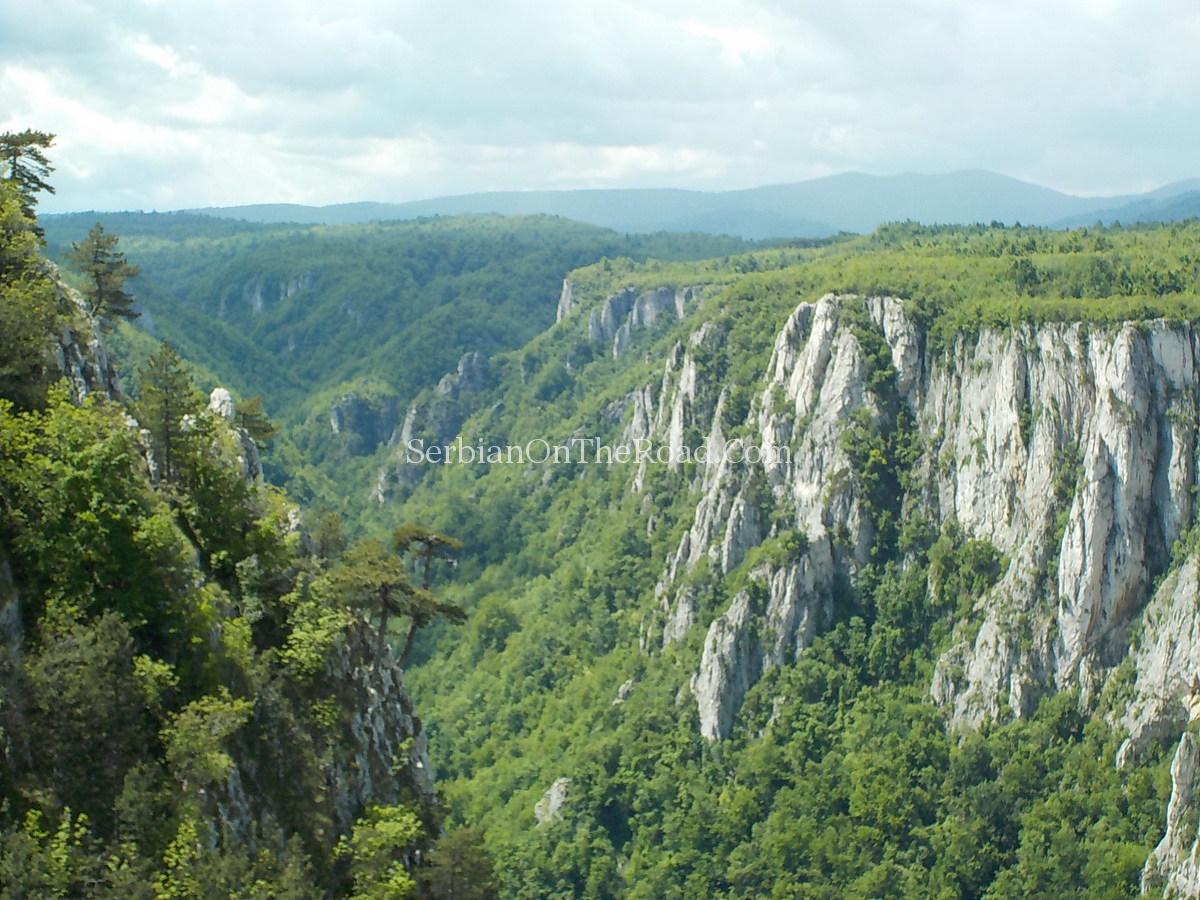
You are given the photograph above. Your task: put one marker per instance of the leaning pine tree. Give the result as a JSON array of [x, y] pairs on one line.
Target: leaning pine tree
[[105, 271], [26, 166]]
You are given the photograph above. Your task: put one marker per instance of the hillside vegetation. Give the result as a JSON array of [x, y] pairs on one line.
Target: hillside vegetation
[[196, 694], [841, 777], [633, 707], [307, 315]]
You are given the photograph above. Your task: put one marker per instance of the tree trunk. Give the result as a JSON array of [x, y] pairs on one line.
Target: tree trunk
[[381, 647], [408, 642]]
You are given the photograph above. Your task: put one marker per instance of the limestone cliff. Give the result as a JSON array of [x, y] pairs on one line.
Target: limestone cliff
[[433, 418], [1173, 869], [364, 422], [79, 351], [1071, 449]]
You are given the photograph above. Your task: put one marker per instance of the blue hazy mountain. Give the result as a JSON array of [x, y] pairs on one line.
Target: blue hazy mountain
[[848, 202], [1153, 207]]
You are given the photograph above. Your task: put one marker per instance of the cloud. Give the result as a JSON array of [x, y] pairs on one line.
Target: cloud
[[168, 104]]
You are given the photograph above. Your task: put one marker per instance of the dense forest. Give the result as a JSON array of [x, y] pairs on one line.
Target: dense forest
[[196, 699], [606, 663], [841, 777], [366, 314]]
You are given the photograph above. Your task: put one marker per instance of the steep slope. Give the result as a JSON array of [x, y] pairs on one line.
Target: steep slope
[[340, 328], [188, 704], [868, 566], [928, 527]]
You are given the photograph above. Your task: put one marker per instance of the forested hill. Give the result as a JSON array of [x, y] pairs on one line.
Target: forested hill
[[940, 642], [352, 318], [197, 696], [920, 621]]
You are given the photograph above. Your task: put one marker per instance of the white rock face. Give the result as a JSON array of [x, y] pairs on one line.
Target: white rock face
[[622, 314], [257, 292], [1121, 402], [435, 417], [1165, 660], [549, 809], [1072, 449], [220, 401], [728, 669], [566, 301], [1173, 869]]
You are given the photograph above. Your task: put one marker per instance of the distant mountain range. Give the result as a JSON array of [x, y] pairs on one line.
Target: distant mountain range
[[815, 208]]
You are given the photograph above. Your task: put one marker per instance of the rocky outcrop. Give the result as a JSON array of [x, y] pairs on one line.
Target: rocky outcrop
[[379, 756], [221, 402], [383, 756], [433, 419], [566, 301], [729, 667], [549, 809], [1071, 449], [364, 423], [1173, 869], [266, 289], [816, 382], [615, 320], [79, 352], [1163, 663]]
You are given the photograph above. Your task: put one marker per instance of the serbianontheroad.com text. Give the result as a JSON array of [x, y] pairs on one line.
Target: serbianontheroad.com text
[[589, 451]]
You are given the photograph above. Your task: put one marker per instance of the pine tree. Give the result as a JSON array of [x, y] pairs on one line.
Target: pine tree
[[459, 866], [28, 311], [368, 575], [23, 153], [105, 269], [252, 419], [425, 545], [166, 397]]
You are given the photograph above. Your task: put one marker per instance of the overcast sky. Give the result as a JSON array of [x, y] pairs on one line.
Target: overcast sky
[[161, 105]]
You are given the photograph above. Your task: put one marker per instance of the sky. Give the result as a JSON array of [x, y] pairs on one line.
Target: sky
[[166, 104]]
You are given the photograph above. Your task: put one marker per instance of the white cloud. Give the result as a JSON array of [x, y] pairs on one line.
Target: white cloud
[[736, 43], [188, 103]]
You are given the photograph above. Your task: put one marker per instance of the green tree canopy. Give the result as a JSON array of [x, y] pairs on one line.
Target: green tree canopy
[[105, 271], [252, 418], [425, 545], [166, 395], [369, 575], [28, 311], [23, 153]]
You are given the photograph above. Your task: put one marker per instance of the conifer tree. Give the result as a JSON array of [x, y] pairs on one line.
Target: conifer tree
[[252, 419], [371, 575], [368, 575], [23, 155], [426, 545], [105, 269], [166, 397]]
